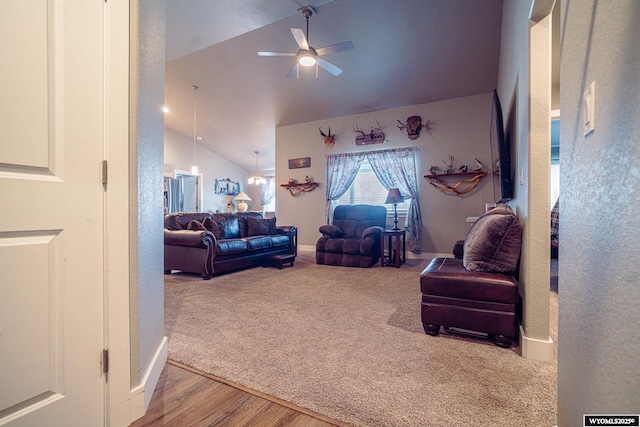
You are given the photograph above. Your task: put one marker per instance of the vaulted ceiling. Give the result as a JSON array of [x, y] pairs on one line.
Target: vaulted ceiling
[[406, 52]]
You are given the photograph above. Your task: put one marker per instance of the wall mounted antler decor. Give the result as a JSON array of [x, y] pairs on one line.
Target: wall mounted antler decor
[[414, 125], [329, 140], [376, 136]]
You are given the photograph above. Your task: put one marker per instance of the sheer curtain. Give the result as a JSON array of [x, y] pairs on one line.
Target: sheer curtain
[[341, 171], [396, 168], [267, 192]]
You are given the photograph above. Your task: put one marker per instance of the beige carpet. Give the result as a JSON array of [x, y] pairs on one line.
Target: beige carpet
[[348, 343]]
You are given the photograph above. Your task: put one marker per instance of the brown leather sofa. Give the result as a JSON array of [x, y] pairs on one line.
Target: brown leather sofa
[[353, 240], [209, 244], [476, 293]]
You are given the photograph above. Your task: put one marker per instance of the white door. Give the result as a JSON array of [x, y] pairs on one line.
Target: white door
[[51, 213], [189, 193]]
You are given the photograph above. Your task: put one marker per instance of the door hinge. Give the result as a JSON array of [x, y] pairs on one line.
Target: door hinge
[[104, 172], [104, 361]]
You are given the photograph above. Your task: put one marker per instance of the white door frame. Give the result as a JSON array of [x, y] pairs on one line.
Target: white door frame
[[117, 317]]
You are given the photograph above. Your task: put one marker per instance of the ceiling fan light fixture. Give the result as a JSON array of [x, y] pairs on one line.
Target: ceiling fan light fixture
[[307, 60]]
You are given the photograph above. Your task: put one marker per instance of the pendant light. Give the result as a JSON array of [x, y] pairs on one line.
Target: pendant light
[[256, 179], [194, 167]]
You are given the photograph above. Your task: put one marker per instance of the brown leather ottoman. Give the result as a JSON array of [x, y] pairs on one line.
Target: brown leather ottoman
[[474, 301]]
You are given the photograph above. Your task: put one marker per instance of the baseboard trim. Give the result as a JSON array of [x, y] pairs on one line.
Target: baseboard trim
[[427, 255], [140, 396], [536, 349]]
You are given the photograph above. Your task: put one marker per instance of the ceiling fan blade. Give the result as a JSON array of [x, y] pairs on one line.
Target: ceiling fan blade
[[333, 69], [294, 71], [335, 48], [277, 54], [298, 34]]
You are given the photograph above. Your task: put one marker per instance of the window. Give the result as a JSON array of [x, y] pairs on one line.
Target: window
[[367, 190], [271, 207]]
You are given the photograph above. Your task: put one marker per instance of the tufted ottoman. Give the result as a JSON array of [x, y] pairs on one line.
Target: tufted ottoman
[[471, 301]]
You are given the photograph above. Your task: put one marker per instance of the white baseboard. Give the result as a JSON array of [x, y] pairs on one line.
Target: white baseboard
[[428, 255], [536, 349], [306, 248], [141, 395]]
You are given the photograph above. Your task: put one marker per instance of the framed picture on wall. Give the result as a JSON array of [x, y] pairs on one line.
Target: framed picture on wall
[[226, 187], [302, 162]]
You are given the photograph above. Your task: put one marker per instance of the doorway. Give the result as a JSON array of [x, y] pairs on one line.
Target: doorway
[[183, 192]]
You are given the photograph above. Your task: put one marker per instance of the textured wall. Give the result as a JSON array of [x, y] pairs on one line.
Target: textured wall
[[599, 314], [461, 129], [146, 201]]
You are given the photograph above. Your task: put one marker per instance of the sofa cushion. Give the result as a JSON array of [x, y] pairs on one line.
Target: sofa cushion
[[260, 227], [195, 226], [493, 242], [352, 228], [231, 246], [212, 226], [255, 243], [229, 228], [280, 240]]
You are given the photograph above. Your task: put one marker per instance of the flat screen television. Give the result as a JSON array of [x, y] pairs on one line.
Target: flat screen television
[[501, 144]]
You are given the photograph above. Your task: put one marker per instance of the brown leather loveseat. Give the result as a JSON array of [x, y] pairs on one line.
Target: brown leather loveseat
[[210, 244]]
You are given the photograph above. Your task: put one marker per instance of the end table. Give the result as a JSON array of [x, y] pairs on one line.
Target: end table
[[395, 257]]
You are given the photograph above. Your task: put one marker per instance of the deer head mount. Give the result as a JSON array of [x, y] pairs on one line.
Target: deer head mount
[[413, 126], [376, 136], [329, 139]]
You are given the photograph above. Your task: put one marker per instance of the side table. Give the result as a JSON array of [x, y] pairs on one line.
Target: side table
[[395, 257]]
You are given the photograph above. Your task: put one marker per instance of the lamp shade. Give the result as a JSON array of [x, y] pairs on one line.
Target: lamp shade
[[394, 196], [242, 197]]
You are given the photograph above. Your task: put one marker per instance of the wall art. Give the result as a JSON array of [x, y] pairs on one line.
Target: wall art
[[226, 187], [302, 162]]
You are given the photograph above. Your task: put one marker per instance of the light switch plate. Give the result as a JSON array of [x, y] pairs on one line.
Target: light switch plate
[[589, 108]]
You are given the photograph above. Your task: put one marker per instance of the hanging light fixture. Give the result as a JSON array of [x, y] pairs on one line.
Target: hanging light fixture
[[257, 179], [194, 167]]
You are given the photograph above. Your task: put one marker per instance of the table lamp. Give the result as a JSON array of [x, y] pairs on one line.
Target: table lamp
[[242, 198], [394, 197]]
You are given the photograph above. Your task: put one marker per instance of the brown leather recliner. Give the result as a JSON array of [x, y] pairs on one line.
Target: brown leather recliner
[[353, 240]]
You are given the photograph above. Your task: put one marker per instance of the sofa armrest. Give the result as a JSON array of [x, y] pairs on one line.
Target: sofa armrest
[[196, 239], [286, 229], [292, 232], [330, 230], [372, 232]]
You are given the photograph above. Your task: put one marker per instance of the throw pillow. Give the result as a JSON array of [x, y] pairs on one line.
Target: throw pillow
[[229, 228], [493, 242], [212, 226], [260, 226], [242, 222], [195, 226]]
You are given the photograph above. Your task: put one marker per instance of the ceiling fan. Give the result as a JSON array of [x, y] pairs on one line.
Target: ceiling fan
[[307, 55]]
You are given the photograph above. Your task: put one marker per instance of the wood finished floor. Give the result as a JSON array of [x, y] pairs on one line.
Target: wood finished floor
[[187, 397]]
